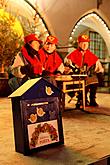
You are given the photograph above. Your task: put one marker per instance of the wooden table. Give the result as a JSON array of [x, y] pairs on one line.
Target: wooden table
[[64, 81]]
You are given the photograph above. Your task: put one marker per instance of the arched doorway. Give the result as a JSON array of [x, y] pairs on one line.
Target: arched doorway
[[92, 23]]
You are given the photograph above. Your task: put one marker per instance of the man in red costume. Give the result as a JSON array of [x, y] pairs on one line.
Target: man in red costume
[[51, 61], [27, 62], [82, 60]]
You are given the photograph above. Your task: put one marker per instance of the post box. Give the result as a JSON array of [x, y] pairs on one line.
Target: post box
[[37, 116]]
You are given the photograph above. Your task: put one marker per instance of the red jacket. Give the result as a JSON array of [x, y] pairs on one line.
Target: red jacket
[[35, 62], [50, 62], [89, 58]]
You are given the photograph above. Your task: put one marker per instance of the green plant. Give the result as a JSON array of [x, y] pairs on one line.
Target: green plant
[[10, 41]]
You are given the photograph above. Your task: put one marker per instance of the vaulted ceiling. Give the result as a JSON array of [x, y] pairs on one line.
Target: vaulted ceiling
[[61, 16]]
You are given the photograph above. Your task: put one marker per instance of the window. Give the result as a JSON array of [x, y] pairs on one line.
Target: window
[[97, 45]]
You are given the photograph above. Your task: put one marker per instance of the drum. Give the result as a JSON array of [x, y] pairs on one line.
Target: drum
[[70, 77]]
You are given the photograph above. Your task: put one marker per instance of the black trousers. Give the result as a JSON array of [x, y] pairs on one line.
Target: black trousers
[[92, 89]]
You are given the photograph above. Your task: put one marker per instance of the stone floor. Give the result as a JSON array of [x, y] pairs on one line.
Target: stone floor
[[86, 136]]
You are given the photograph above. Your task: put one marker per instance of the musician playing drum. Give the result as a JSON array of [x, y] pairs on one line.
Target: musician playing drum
[[83, 61]]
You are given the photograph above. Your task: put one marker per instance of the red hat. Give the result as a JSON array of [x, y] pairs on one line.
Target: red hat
[[83, 38], [52, 40], [31, 37]]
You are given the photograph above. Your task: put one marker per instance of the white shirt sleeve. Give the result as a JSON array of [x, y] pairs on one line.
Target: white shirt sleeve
[[99, 67], [15, 68]]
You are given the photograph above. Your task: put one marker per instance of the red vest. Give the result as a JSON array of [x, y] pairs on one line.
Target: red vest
[[89, 58], [50, 62]]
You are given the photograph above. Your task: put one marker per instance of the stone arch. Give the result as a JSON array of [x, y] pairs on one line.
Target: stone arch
[[96, 21]]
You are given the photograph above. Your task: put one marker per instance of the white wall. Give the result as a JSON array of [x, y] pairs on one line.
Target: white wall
[[61, 15]]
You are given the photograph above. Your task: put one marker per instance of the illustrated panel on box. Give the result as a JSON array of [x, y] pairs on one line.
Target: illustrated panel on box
[[41, 121]]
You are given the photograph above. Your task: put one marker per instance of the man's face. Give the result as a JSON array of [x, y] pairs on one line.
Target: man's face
[[49, 47], [35, 45], [83, 45]]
